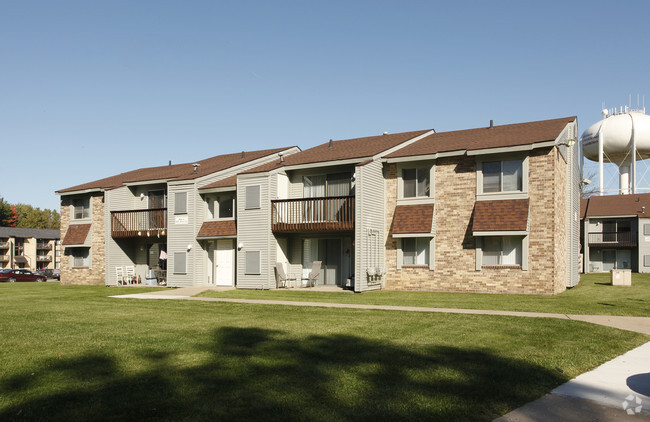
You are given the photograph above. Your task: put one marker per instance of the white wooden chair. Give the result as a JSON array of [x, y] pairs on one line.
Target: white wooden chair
[[130, 274], [119, 276], [281, 279], [312, 279]]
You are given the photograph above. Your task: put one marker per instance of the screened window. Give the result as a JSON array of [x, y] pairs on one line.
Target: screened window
[[501, 250], [252, 197], [180, 262], [180, 203], [416, 182], [226, 206], [415, 250], [81, 208], [502, 176], [253, 262], [79, 257], [318, 186]]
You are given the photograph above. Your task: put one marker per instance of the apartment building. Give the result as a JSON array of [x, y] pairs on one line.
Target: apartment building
[[31, 249], [492, 209], [616, 233]]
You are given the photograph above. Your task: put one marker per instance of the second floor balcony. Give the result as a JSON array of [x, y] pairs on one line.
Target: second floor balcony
[[43, 258], [43, 246], [622, 239], [139, 223], [4, 245], [325, 214]]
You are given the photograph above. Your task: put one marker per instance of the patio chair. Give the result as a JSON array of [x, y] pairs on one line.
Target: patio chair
[[281, 279], [119, 276], [312, 279], [130, 274]]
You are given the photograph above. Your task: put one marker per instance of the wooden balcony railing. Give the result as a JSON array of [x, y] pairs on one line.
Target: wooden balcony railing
[[334, 213], [43, 258], [613, 239], [139, 223]]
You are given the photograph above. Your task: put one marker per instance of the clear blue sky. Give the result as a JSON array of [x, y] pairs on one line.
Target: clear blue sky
[[89, 89]]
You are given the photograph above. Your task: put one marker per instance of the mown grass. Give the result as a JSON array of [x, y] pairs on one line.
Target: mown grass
[[72, 353], [593, 296]]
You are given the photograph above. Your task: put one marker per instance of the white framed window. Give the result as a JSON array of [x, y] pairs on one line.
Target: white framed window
[[502, 251], [180, 203], [253, 265], [502, 176], [79, 257], [253, 197], [416, 182], [415, 250], [81, 208], [180, 262]]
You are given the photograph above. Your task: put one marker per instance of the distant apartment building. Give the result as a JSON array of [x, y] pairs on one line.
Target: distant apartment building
[[492, 209], [31, 249]]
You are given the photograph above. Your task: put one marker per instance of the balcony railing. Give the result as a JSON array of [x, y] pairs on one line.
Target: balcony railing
[[44, 246], [139, 223], [613, 239], [4, 245], [313, 214], [43, 258]]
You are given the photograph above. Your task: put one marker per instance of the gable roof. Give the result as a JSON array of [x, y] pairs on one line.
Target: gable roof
[[346, 149], [177, 171], [486, 137], [617, 205], [503, 215]]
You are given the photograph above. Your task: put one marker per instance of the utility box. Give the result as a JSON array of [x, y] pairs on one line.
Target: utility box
[[621, 277]]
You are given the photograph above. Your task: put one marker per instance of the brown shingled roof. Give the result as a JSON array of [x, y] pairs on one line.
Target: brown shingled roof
[[176, 172], [227, 182], [495, 137], [618, 205], [504, 215], [76, 234], [413, 219], [347, 149], [218, 228]]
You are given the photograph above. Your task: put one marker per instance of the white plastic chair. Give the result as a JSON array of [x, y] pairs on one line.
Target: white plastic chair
[[119, 276], [312, 279], [281, 279], [130, 274]]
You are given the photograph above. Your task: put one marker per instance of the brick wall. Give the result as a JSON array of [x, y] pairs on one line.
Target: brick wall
[[455, 253], [95, 274]]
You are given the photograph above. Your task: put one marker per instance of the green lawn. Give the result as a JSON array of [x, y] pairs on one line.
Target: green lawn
[[71, 353], [593, 295]]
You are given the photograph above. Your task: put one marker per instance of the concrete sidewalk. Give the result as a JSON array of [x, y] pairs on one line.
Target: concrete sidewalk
[[598, 395]]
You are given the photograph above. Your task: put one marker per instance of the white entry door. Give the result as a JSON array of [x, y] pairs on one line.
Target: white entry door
[[224, 259]]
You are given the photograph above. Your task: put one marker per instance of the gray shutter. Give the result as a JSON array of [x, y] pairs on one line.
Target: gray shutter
[[180, 263], [180, 203], [646, 260], [253, 262], [646, 229], [252, 197]]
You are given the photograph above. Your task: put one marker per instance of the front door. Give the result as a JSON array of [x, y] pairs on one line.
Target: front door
[[609, 259], [224, 259], [329, 253]]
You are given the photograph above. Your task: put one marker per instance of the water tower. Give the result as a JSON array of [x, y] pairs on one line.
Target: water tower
[[622, 137]]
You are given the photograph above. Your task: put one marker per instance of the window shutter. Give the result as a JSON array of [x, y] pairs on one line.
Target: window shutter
[[180, 203], [646, 229], [253, 262], [180, 263], [252, 197]]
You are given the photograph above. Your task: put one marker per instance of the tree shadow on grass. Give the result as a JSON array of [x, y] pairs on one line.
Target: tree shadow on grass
[[252, 373]]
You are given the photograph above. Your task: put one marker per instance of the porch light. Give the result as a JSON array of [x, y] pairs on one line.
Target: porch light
[[240, 246], [189, 247]]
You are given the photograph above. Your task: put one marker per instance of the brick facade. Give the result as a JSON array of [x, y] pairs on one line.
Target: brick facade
[[95, 274], [455, 245]]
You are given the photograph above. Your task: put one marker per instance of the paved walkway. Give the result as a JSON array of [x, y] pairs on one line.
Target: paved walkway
[[598, 395]]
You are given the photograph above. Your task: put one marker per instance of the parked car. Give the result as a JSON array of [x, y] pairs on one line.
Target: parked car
[[49, 273], [12, 275]]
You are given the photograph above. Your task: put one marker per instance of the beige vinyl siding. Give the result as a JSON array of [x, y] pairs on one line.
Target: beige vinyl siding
[[573, 211], [117, 254], [181, 235], [254, 232], [370, 250]]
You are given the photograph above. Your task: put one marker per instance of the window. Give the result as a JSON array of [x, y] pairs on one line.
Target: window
[[81, 208], [416, 182], [646, 229], [335, 184], [79, 257], [502, 250], [157, 199], [252, 197], [226, 205], [180, 262], [502, 176], [180, 203], [415, 250], [253, 262]]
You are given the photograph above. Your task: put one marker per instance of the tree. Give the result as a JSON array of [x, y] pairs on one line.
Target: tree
[[5, 213], [588, 189]]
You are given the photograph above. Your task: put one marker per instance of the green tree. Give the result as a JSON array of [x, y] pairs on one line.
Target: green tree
[[5, 212]]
